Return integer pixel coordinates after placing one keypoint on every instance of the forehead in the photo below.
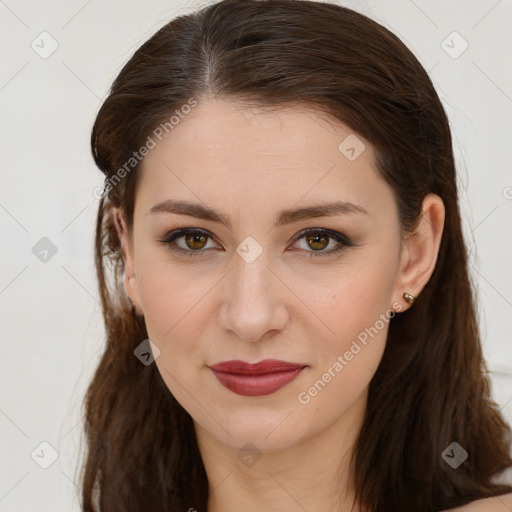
(218, 128)
(226, 152)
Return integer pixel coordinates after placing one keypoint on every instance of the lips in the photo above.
(258, 379)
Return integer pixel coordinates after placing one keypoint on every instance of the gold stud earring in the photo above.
(409, 298)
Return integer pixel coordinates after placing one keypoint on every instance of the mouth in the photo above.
(258, 379)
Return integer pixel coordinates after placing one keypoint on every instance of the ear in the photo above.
(130, 280)
(418, 255)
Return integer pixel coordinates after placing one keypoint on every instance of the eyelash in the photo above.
(344, 241)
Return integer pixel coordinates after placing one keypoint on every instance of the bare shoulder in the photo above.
(501, 503)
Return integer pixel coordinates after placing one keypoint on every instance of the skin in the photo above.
(285, 304)
(497, 504)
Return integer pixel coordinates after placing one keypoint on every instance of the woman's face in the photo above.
(253, 286)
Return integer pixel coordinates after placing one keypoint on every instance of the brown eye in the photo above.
(195, 241)
(317, 241)
(189, 241)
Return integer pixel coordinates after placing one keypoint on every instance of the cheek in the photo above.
(352, 303)
(178, 301)
(355, 311)
(347, 361)
(173, 310)
(167, 292)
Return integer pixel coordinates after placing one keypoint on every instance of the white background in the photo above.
(51, 326)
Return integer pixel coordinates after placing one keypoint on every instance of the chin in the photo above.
(266, 431)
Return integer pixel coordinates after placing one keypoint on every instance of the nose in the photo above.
(254, 305)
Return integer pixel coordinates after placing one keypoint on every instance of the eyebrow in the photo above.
(283, 217)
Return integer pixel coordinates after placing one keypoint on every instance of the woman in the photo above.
(290, 322)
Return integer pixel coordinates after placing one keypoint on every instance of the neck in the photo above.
(315, 474)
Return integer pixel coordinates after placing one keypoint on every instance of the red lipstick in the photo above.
(262, 378)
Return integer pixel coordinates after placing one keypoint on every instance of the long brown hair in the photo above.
(431, 388)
